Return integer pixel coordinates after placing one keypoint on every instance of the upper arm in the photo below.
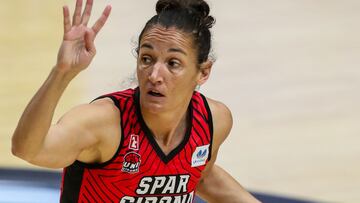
(222, 121)
(216, 185)
(78, 135)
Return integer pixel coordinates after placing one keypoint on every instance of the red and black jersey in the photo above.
(139, 171)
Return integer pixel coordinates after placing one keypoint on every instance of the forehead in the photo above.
(169, 37)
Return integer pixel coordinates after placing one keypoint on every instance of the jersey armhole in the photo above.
(210, 123)
(100, 165)
(116, 101)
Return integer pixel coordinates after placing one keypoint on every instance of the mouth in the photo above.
(155, 93)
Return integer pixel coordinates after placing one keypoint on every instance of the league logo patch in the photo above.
(134, 142)
(131, 163)
(200, 156)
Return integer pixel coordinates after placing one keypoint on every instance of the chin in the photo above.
(154, 108)
(153, 104)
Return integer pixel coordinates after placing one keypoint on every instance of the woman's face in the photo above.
(167, 69)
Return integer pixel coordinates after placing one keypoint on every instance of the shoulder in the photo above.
(93, 119)
(97, 125)
(104, 105)
(222, 124)
(102, 109)
(222, 120)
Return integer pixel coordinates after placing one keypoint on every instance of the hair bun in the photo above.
(203, 9)
(200, 7)
(165, 5)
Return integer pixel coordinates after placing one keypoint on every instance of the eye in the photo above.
(146, 60)
(173, 63)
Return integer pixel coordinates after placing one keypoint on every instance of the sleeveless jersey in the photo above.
(140, 172)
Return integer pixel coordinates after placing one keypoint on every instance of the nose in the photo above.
(155, 74)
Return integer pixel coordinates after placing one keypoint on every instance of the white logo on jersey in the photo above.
(134, 142)
(162, 189)
(200, 156)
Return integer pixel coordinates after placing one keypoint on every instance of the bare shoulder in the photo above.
(102, 107)
(222, 124)
(222, 120)
(102, 110)
(98, 125)
(218, 107)
(98, 120)
(88, 133)
(106, 114)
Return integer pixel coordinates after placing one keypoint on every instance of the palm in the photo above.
(73, 51)
(77, 49)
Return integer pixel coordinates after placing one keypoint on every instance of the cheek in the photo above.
(140, 75)
(140, 71)
(184, 82)
(192, 75)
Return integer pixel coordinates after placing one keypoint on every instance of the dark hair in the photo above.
(189, 16)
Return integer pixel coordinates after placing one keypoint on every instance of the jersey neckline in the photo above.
(165, 158)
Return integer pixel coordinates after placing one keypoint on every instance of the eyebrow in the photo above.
(149, 46)
(177, 50)
(146, 45)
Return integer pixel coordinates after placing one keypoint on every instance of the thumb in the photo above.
(89, 42)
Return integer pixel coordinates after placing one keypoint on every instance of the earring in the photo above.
(197, 88)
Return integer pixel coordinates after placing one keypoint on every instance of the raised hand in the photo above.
(77, 49)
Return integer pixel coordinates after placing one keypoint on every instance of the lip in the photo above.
(154, 92)
(150, 99)
(153, 98)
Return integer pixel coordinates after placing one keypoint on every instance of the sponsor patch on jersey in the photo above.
(162, 189)
(134, 142)
(131, 163)
(200, 156)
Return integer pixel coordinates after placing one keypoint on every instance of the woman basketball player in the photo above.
(155, 143)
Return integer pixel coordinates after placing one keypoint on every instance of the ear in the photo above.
(205, 70)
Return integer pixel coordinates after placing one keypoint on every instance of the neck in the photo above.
(168, 128)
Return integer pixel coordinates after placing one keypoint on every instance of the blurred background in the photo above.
(288, 70)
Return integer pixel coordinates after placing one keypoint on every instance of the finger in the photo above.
(87, 12)
(102, 20)
(67, 23)
(89, 42)
(77, 13)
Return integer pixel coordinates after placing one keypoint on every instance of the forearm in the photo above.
(219, 186)
(36, 119)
